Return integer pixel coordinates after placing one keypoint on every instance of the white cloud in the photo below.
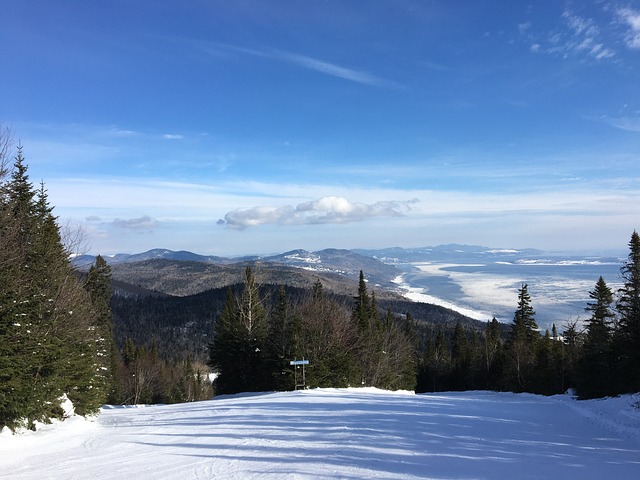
(144, 223)
(171, 136)
(632, 19)
(325, 210)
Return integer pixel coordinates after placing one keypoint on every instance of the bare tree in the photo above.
(6, 144)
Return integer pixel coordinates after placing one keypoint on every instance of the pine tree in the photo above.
(493, 355)
(522, 340)
(436, 365)
(46, 345)
(281, 343)
(239, 347)
(460, 359)
(572, 338)
(595, 365)
(98, 285)
(627, 338)
(362, 306)
(543, 378)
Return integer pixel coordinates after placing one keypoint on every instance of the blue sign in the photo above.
(299, 362)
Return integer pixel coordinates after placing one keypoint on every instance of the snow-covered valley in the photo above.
(333, 433)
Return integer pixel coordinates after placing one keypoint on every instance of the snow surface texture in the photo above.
(347, 434)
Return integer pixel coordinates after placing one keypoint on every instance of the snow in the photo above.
(417, 294)
(340, 433)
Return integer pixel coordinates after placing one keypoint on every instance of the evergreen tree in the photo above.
(522, 341)
(493, 355)
(47, 347)
(595, 365)
(98, 285)
(362, 307)
(543, 376)
(460, 359)
(281, 342)
(572, 338)
(436, 365)
(239, 347)
(627, 341)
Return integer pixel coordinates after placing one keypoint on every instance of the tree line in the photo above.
(346, 344)
(358, 344)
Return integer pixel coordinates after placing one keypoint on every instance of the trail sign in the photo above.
(299, 362)
(296, 363)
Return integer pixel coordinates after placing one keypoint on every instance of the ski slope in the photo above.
(339, 434)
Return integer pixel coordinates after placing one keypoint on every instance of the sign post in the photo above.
(296, 365)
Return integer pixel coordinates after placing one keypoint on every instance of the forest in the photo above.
(70, 334)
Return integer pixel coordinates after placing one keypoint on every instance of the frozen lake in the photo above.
(559, 287)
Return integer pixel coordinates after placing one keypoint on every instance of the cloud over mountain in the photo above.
(142, 224)
(328, 209)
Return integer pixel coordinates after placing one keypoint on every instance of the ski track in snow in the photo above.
(340, 434)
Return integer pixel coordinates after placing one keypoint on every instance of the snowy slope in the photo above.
(330, 434)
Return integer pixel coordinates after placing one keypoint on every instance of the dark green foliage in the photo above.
(596, 362)
(627, 336)
(284, 330)
(48, 340)
(239, 348)
(522, 342)
(494, 356)
(435, 367)
(362, 312)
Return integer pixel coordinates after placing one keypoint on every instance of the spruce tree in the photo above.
(436, 365)
(239, 348)
(98, 285)
(281, 344)
(362, 306)
(46, 344)
(460, 359)
(594, 369)
(522, 341)
(627, 338)
(493, 355)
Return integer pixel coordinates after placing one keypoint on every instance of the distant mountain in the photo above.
(186, 273)
(338, 260)
(343, 262)
(154, 254)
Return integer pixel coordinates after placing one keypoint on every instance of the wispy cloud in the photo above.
(578, 37)
(584, 38)
(329, 209)
(307, 62)
(332, 69)
(628, 123)
(632, 19)
(141, 224)
(172, 136)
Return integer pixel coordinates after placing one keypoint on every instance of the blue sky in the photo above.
(262, 126)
